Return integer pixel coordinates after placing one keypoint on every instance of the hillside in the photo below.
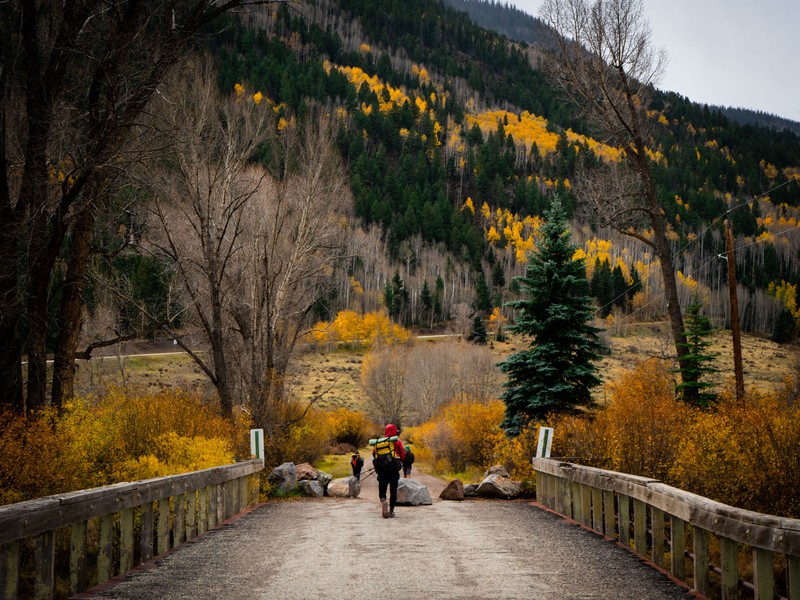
(384, 157)
(455, 143)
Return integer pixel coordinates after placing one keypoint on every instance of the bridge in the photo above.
(590, 534)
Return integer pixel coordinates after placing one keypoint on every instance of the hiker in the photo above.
(357, 463)
(408, 460)
(388, 453)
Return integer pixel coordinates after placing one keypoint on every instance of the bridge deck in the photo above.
(330, 548)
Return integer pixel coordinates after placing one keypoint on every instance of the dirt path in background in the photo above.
(343, 548)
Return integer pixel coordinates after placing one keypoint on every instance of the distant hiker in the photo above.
(357, 463)
(408, 460)
(388, 453)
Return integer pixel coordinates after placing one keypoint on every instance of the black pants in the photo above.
(390, 481)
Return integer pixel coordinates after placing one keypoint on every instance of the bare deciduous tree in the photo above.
(605, 62)
(383, 376)
(253, 250)
(75, 77)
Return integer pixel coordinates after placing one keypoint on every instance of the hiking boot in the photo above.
(385, 508)
(391, 514)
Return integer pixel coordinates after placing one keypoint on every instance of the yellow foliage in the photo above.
(346, 426)
(238, 90)
(464, 433)
(258, 97)
(120, 436)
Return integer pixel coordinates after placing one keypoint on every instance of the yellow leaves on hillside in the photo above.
(518, 235)
(468, 204)
(786, 293)
(353, 329)
(365, 48)
(238, 89)
(529, 129)
(769, 170)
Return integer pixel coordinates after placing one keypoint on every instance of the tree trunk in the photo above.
(70, 309)
(10, 348)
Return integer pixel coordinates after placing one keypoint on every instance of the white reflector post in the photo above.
(257, 443)
(545, 442)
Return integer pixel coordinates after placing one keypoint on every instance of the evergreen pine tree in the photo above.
(478, 333)
(557, 372)
(483, 301)
(426, 299)
(699, 360)
(785, 329)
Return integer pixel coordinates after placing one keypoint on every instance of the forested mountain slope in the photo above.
(453, 138)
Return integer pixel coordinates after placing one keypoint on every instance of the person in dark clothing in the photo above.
(408, 460)
(389, 478)
(357, 463)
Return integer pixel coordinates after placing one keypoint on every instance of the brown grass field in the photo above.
(334, 378)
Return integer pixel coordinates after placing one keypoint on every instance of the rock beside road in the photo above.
(412, 493)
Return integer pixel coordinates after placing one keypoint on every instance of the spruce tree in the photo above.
(699, 361)
(557, 372)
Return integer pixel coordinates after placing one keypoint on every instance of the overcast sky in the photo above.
(738, 53)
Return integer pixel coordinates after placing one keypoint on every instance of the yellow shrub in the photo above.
(346, 426)
(121, 436)
(465, 433)
(639, 431)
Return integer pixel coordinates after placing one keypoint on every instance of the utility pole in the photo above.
(735, 333)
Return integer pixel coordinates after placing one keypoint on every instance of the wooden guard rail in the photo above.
(601, 500)
(128, 523)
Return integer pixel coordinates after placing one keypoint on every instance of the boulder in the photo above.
(344, 487)
(283, 478)
(471, 490)
(412, 493)
(311, 487)
(497, 470)
(305, 472)
(496, 486)
(453, 491)
(324, 478)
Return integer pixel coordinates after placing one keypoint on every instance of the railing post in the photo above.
(147, 531)
(126, 540)
(640, 526)
(162, 536)
(677, 530)
(45, 563)
(77, 557)
(597, 509)
(657, 518)
(624, 503)
(763, 575)
(729, 555)
(104, 550)
(793, 575)
(191, 514)
(586, 505)
(202, 510)
(700, 547)
(244, 499)
(178, 520)
(9, 570)
(608, 512)
(213, 497)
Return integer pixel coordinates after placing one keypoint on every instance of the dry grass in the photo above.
(334, 379)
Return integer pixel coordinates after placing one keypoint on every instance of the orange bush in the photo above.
(640, 430)
(346, 426)
(464, 434)
(741, 454)
(121, 436)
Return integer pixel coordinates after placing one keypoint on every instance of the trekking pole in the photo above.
(363, 477)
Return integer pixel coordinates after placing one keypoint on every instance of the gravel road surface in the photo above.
(343, 548)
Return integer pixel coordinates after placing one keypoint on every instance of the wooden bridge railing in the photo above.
(601, 500)
(114, 528)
